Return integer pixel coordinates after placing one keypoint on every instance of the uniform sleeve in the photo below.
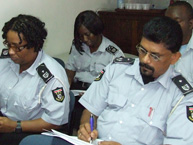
(179, 129)
(55, 102)
(95, 97)
(70, 65)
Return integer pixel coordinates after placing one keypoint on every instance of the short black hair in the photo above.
(91, 21)
(164, 30)
(32, 28)
(186, 5)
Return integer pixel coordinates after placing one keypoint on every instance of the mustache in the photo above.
(146, 66)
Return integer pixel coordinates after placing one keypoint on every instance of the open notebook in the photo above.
(72, 139)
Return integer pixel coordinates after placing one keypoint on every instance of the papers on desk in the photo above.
(76, 92)
(72, 139)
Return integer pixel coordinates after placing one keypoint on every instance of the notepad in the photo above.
(71, 139)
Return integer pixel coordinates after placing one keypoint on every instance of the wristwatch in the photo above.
(18, 128)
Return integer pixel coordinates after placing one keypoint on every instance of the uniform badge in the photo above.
(44, 73)
(182, 84)
(189, 111)
(111, 49)
(5, 53)
(58, 94)
(123, 60)
(98, 78)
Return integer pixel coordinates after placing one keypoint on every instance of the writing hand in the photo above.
(84, 132)
(109, 143)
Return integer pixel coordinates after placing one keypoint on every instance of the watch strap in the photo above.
(18, 128)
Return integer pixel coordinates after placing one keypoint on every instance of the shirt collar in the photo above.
(164, 79)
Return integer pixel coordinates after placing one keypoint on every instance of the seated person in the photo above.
(90, 53)
(34, 88)
(135, 100)
(182, 12)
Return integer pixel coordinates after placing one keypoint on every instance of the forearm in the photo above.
(37, 125)
(70, 75)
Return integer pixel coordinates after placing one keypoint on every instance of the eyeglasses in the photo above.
(14, 47)
(144, 52)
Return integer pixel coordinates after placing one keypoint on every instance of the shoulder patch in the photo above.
(123, 60)
(182, 84)
(99, 77)
(111, 49)
(44, 73)
(5, 53)
(189, 112)
(58, 94)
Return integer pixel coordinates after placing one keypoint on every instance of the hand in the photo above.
(109, 143)
(81, 93)
(7, 125)
(84, 132)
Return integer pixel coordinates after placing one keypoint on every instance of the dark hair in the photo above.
(164, 30)
(31, 27)
(91, 21)
(186, 5)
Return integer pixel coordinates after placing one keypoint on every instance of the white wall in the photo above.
(59, 16)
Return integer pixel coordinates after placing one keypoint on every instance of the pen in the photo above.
(91, 125)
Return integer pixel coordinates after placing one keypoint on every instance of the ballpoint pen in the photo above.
(91, 125)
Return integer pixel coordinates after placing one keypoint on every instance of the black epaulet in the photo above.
(44, 73)
(111, 49)
(5, 53)
(123, 60)
(182, 84)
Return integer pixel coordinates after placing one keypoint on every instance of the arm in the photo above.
(84, 132)
(70, 75)
(8, 125)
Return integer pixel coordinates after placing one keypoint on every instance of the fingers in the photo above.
(84, 133)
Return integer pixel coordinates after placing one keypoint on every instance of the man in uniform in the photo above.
(182, 12)
(34, 89)
(132, 99)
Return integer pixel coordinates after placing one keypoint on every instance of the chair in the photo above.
(72, 102)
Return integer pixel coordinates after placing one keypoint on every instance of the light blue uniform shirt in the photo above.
(128, 111)
(21, 97)
(184, 64)
(88, 65)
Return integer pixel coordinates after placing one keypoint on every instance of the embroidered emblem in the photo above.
(189, 111)
(5, 53)
(182, 84)
(98, 78)
(111, 49)
(44, 73)
(58, 94)
(123, 60)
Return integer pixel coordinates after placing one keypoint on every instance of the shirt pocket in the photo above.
(152, 131)
(27, 104)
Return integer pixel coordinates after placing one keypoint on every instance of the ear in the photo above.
(175, 57)
(191, 24)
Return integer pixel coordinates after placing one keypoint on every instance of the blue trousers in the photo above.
(43, 140)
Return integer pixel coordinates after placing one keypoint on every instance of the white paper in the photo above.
(76, 92)
(71, 139)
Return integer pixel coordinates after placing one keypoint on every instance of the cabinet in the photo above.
(124, 27)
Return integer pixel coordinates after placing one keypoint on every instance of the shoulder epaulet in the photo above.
(5, 53)
(44, 73)
(182, 84)
(111, 49)
(123, 60)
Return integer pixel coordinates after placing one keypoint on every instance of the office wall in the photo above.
(59, 16)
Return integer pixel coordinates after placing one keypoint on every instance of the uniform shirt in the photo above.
(88, 65)
(130, 112)
(184, 64)
(22, 96)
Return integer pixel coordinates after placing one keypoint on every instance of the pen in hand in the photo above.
(91, 125)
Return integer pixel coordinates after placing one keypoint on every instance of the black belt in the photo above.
(79, 85)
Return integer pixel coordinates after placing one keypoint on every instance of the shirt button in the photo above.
(10, 88)
(142, 89)
(132, 105)
(179, 70)
(150, 122)
(109, 137)
(120, 121)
